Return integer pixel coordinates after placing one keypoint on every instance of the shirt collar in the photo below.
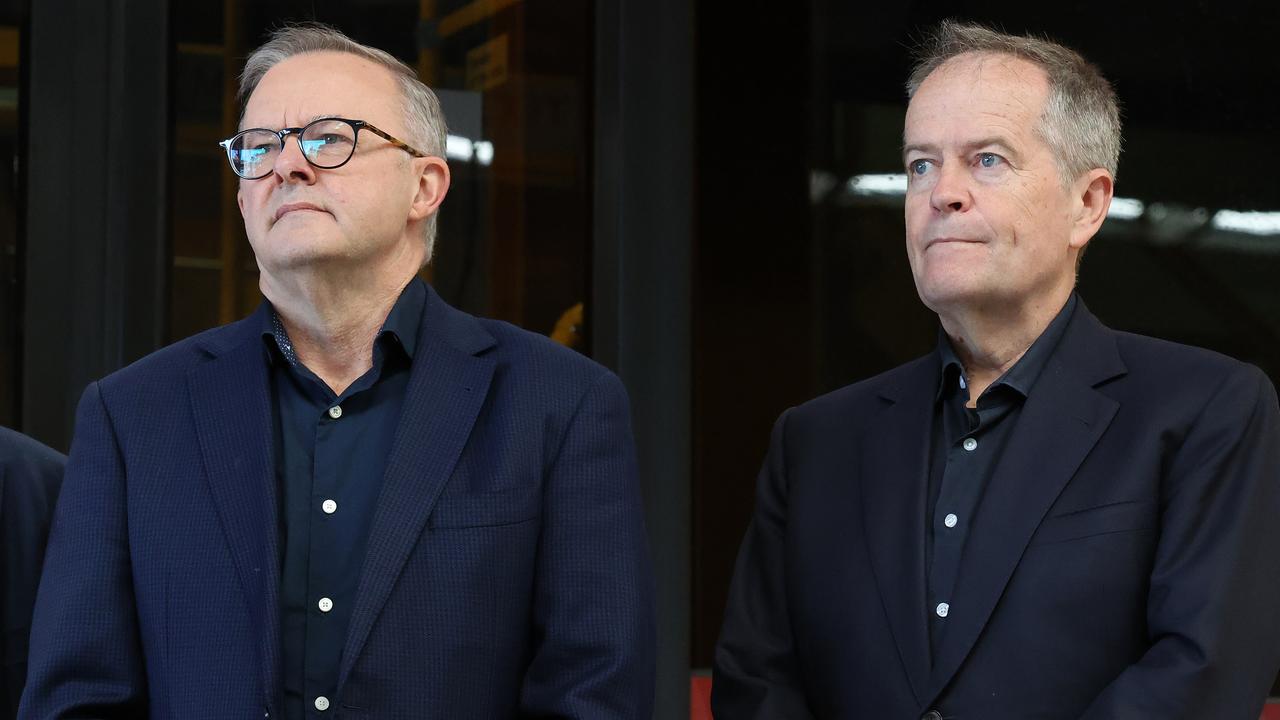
(1024, 373)
(406, 316)
(400, 327)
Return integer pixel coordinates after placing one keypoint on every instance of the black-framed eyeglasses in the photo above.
(326, 143)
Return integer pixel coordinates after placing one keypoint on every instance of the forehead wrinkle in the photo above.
(997, 140)
(997, 92)
(284, 122)
(319, 116)
(987, 67)
(373, 83)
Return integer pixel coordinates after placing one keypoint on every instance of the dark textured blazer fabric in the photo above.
(1124, 562)
(507, 572)
(30, 476)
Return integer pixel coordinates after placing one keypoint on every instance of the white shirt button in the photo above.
(963, 385)
(325, 604)
(950, 520)
(970, 444)
(329, 507)
(322, 703)
(335, 412)
(942, 609)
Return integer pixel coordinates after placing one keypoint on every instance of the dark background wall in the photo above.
(753, 352)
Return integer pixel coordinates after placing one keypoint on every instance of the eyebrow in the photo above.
(308, 121)
(995, 141)
(926, 148)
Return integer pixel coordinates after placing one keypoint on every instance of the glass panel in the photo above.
(206, 235)
(514, 78)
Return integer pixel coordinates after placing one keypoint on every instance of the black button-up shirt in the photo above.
(967, 444)
(331, 451)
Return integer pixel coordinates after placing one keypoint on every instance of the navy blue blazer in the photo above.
(507, 572)
(30, 476)
(1124, 562)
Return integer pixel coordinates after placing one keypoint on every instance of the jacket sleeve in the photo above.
(1215, 586)
(593, 608)
(756, 673)
(86, 660)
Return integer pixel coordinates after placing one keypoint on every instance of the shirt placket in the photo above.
(321, 583)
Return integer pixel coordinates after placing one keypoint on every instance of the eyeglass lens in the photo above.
(325, 144)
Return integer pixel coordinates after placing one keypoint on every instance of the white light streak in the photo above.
(462, 148)
(457, 147)
(872, 185)
(1252, 223)
(1126, 208)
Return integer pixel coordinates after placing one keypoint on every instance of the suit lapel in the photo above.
(448, 384)
(894, 482)
(1062, 420)
(231, 401)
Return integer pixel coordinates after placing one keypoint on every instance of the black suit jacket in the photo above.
(1124, 561)
(30, 475)
(506, 573)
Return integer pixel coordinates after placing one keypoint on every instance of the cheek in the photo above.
(253, 203)
(1045, 217)
(255, 193)
(1041, 204)
(916, 213)
(1026, 204)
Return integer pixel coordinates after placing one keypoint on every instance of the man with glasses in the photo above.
(1044, 518)
(358, 502)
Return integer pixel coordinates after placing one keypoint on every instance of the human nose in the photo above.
(291, 164)
(951, 190)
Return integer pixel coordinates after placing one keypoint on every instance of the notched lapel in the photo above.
(1061, 422)
(447, 387)
(894, 479)
(231, 399)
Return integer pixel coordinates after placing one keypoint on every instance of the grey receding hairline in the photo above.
(1081, 118)
(423, 118)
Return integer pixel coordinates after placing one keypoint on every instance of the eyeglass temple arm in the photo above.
(394, 141)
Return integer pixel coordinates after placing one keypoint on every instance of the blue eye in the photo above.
(918, 167)
(989, 160)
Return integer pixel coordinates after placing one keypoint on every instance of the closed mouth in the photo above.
(951, 241)
(292, 207)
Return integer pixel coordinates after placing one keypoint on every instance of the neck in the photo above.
(989, 339)
(333, 318)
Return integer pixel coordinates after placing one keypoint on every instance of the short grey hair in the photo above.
(1081, 119)
(423, 118)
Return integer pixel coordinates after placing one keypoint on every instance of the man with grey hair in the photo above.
(1043, 518)
(357, 502)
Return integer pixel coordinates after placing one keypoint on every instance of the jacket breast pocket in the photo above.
(485, 509)
(1090, 522)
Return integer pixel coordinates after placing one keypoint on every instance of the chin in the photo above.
(950, 296)
(296, 255)
(947, 288)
